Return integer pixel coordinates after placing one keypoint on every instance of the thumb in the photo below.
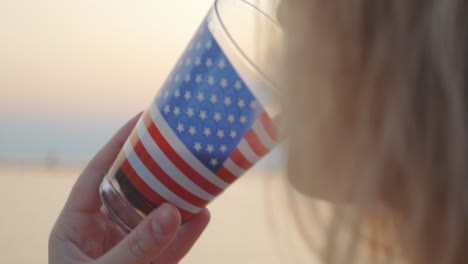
(148, 240)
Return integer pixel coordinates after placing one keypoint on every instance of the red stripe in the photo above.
(172, 155)
(147, 191)
(255, 144)
(269, 126)
(165, 179)
(226, 175)
(239, 159)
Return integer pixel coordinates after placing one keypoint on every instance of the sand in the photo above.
(239, 232)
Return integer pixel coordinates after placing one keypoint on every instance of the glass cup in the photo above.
(212, 120)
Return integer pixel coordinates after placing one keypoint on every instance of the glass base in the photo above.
(119, 209)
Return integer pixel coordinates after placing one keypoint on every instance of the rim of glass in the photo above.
(236, 45)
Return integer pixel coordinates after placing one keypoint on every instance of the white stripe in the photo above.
(180, 148)
(233, 168)
(160, 158)
(264, 137)
(154, 183)
(248, 153)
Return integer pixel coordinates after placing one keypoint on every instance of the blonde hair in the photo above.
(378, 120)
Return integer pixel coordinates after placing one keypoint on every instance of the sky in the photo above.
(72, 72)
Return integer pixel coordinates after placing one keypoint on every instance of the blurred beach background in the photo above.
(71, 73)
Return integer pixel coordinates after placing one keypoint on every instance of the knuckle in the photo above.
(173, 256)
(158, 246)
(136, 246)
(166, 261)
(143, 245)
(172, 260)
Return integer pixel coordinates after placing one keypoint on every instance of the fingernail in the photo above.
(162, 223)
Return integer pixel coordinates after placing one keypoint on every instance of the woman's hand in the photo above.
(85, 234)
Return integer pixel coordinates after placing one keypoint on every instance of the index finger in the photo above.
(85, 193)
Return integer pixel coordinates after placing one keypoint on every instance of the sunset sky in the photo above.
(71, 72)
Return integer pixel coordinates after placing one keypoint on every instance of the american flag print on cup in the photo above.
(204, 129)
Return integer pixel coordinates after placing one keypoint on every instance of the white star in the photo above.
(207, 131)
(200, 97)
(197, 61)
(177, 77)
(197, 146)
(203, 115)
(210, 148)
(238, 85)
(214, 99)
(199, 45)
(224, 83)
(198, 79)
(176, 111)
(227, 101)
(187, 95)
(209, 62)
(214, 162)
(231, 119)
(222, 64)
(241, 103)
(223, 148)
(188, 61)
(211, 80)
(167, 109)
(192, 130)
(167, 94)
(217, 117)
(187, 77)
(243, 120)
(177, 93)
(220, 134)
(180, 128)
(253, 104)
(190, 112)
(209, 44)
(233, 134)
